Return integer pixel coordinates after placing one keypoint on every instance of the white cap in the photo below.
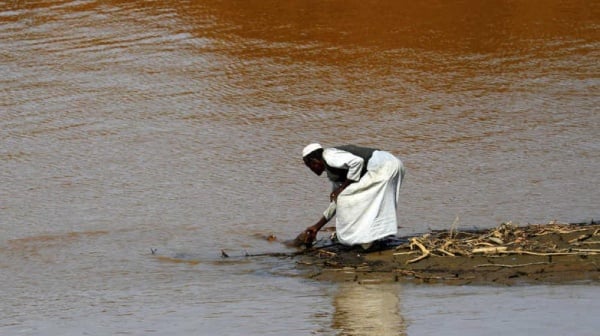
(310, 148)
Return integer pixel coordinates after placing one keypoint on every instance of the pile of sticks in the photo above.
(504, 239)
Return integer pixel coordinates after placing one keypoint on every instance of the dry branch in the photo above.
(426, 252)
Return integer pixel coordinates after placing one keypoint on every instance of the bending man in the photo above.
(366, 186)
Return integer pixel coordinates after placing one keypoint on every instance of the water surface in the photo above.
(135, 126)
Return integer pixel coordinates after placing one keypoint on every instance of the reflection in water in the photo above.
(363, 310)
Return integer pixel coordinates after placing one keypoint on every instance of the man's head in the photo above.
(313, 158)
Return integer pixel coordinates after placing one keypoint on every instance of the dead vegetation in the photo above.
(505, 239)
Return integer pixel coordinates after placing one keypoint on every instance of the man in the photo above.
(366, 186)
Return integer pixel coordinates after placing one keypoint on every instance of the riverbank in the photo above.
(507, 255)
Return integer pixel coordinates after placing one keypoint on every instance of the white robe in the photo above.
(366, 210)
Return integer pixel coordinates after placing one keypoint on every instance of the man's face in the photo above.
(316, 166)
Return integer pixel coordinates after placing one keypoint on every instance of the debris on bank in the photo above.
(507, 239)
(507, 254)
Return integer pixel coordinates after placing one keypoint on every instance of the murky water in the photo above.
(135, 126)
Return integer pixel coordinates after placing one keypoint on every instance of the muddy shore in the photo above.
(506, 255)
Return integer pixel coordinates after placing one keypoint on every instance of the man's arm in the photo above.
(310, 234)
(334, 194)
(345, 160)
(341, 159)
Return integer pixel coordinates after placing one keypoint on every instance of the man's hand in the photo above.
(310, 234)
(306, 237)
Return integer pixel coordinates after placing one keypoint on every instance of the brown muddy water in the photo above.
(176, 127)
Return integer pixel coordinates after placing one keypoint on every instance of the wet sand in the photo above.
(507, 255)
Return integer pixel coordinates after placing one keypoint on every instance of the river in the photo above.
(139, 139)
